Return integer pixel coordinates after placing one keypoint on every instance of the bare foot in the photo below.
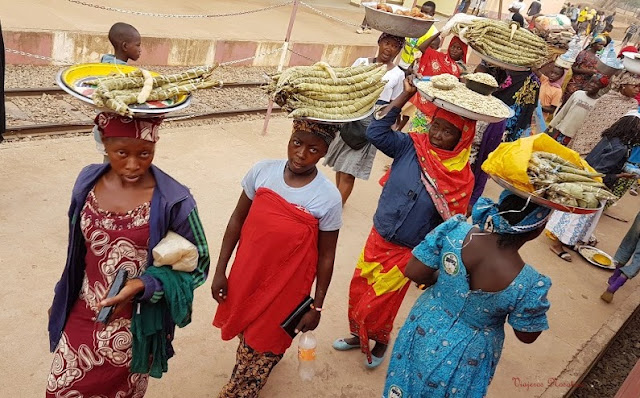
(379, 349)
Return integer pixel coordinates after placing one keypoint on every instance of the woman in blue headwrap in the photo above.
(452, 340)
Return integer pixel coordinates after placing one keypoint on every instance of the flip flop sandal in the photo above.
(375, 361)
(566, 256)
(341, 345)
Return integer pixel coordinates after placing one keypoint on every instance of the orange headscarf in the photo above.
(448, 171)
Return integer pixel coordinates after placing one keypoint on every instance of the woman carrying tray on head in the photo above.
(608, 158)
(285, 227)
(584, 67)
(520, 91)
(433, 63)
(350, 155)
(430, 181)
(119, 212)
(452, 339)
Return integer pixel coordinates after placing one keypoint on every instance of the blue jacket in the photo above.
(405, 213)
(608, 158)
(172, 208)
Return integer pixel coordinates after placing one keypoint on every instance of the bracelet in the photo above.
(313, 307)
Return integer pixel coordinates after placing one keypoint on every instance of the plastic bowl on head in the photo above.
(631, 62)
(606, 69)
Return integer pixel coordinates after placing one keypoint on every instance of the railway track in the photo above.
(85, 125)
(38, 91)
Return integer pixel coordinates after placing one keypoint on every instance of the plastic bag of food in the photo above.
(555, 22)
(575, 46)
(460, 18)
(176, 251)
(510, 160)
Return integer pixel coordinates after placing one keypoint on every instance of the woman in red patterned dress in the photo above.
(118, 213)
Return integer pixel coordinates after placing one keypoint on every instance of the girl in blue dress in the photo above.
(452, 339)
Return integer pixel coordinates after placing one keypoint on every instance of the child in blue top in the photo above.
(452, 339)
(126, 42)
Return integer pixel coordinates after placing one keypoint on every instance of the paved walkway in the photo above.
(36, 179)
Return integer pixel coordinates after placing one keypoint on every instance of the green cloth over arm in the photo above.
(149, 354)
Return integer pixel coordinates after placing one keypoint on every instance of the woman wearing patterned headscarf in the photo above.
(119, 212)
(351, 156)
(608, 109)
(452, 339)
(285, 227)
(584, 67)
(430, 181)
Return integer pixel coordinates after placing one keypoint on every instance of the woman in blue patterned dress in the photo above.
(452, 340)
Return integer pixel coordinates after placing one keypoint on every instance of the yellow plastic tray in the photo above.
(73, 80)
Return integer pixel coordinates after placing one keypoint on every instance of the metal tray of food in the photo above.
(73, 81)
(395, 24)
(591, 254)
(491, 60)
(458, 110)
(331, 121)
(542, 201)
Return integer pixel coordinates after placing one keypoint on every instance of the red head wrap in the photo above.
(465, 48)
(450, 117)
(451, 178)
(114, 125)
(448, 171)
(627, 49)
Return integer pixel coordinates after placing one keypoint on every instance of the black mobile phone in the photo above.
(289, 324)
(116, 286)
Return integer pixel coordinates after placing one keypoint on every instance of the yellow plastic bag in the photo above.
(511, 159)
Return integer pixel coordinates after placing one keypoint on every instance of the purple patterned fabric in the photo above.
(490, 140)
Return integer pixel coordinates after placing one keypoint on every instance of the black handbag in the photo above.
(354, 134)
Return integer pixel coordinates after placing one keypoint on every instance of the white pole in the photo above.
(283, 57)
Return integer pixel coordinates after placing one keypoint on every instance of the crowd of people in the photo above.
(285, 228)
(588, 20)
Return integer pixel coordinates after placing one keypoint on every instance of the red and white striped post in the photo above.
(283, 57)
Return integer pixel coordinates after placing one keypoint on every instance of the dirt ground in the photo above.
(612, 369)
(36, 179)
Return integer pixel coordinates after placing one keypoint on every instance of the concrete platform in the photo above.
(74, 33)
(268, 25)
(36, 179)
